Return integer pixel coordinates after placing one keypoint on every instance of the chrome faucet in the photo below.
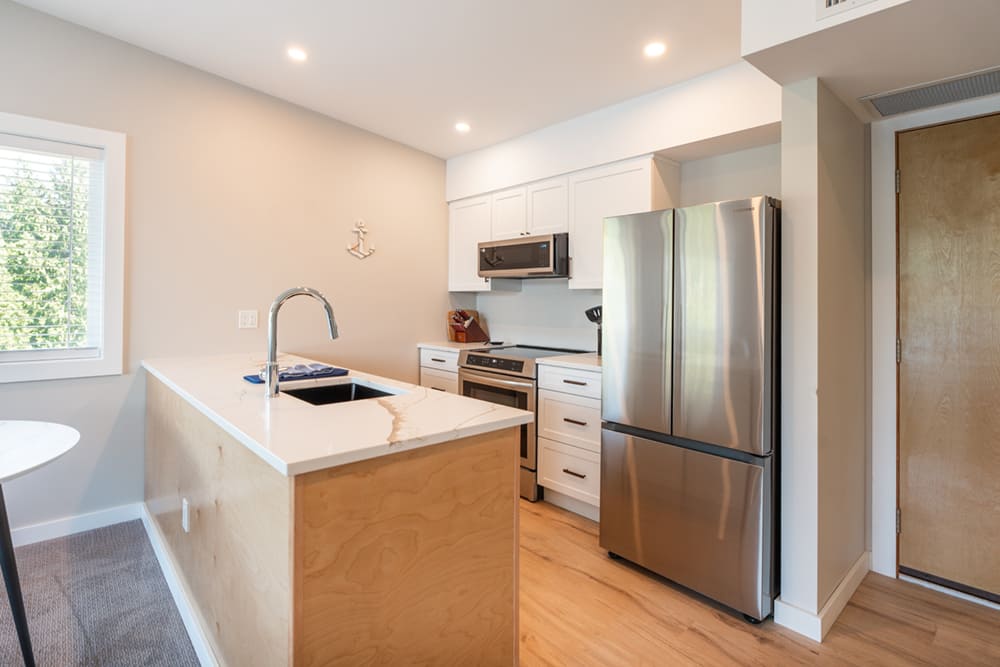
(271, 369)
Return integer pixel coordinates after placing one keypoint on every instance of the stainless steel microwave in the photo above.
(545, 256)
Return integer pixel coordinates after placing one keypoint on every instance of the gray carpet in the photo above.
(96, 598)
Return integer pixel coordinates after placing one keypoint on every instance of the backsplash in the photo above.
(545, 312)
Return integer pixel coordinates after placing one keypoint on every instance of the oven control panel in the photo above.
(495, 363)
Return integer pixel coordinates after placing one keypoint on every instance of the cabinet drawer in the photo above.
(573, 420)
(579, 383)
(570, 470)
(444, 361)
(440, 380)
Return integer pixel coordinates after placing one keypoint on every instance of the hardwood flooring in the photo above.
(579, 607)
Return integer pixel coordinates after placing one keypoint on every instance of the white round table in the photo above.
(25, 446)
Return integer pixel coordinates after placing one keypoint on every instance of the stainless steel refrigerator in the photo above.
(690, 397)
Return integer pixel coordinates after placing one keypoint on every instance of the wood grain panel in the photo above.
(410, 558)
(235, 561)
(580, 608)
(949, 378)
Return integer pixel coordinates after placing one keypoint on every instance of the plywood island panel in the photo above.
(410, 557)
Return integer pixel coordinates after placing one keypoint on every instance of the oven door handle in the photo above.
(493, 380)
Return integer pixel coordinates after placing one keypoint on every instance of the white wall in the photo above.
(884, 309)
(545, 312)
(232, 196)
(726, 101)
(823, 468)
(841, 438)
(746, 173)
(766, 23)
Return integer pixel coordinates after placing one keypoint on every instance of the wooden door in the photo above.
(949, 372)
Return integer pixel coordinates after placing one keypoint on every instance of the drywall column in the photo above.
(823, 358)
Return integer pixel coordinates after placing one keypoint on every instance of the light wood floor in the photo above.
(578, 607)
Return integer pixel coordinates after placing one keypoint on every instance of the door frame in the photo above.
(884, 314)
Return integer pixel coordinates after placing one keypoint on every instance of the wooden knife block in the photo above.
(475, 333)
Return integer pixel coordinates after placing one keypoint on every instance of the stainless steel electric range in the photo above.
(507, 375)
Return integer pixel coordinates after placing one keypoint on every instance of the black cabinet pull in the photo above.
(576, 382)
(575, 474)
(438, 389)
(574, 421)
(440, 361)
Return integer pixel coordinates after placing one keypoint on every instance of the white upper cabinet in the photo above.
(468, 225)
(548, 206)
(633, 186)
(510, 214)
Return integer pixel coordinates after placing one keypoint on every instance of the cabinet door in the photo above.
(468, 225)
(596, 194)
(509, 214)
(548, 206)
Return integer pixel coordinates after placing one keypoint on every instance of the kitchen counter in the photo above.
(586, 361)
(295, 437)
(452, 345)
(315, 535)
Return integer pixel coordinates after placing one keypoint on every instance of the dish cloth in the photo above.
(300, 372)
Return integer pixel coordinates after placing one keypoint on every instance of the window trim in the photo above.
(109, 359)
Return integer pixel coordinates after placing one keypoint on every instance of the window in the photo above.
(62, 201)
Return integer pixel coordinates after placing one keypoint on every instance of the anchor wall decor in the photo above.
(360, 249)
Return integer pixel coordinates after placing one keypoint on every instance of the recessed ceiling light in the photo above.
(655, 49)
(462, 127)
(297, 54)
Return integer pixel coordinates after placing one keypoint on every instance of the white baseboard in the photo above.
(572, 505)
(950, 591)
(815, 626)
(182, 598)
(71, 525)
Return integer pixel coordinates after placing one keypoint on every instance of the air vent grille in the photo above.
(961, 88)
(825, 8)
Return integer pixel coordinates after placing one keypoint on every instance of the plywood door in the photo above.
(949, 374)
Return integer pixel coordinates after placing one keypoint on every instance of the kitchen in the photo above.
(188, 207)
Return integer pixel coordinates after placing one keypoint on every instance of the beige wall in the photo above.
(232, 196)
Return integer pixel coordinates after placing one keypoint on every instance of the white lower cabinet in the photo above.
(440, 380)
(569, 437)
(570, 470)
(439, 369)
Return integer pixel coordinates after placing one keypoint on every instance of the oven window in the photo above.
(509, 397)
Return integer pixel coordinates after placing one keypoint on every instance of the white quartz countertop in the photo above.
(296, 437)
(451, 345)
(587, 361)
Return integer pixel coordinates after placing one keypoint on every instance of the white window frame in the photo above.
(109, 358)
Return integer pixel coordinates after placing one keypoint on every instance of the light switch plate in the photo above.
(185, 515)
(247, 319)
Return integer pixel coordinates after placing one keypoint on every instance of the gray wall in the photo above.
(232, 196)
(754, 171)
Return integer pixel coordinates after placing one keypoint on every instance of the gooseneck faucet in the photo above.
(271, 369)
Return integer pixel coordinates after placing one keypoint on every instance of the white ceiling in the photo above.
(409, 69)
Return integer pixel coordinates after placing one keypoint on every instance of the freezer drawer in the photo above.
(701, 520)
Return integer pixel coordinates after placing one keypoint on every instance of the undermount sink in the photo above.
(340, 392)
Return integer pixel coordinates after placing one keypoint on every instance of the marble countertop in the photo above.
(586, 361)
(296, 437)
(451, 345)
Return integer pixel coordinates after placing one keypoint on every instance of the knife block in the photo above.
(474, 333)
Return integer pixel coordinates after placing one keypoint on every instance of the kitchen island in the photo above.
(379, 531)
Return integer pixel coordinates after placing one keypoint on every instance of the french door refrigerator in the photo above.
(690, 366)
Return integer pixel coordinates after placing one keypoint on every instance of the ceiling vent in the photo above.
(827, 8)
(945, 91)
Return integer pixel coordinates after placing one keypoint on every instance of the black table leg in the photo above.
(9, 566)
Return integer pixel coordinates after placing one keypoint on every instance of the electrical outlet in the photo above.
(185, 515)
(247, 319)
